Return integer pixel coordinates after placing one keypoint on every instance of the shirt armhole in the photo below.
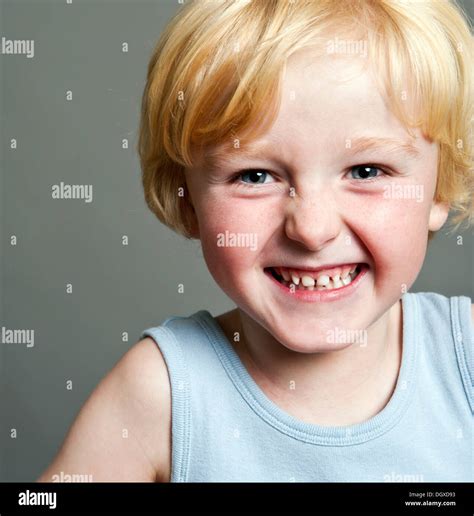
(462, 327)
(180, 399)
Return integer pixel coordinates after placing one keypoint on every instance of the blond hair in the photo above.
(217, 70)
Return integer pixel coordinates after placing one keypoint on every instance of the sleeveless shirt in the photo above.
(225, 429)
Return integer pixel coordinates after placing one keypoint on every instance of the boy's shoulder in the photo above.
(145, 373)
(141, 377)
(448, 324)
(441, 302)
(454, 312)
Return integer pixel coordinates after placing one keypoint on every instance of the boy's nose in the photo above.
(313, 222)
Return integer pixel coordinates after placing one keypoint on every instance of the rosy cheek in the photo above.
(394, 231)
(231, 237)
(253, 217)
(231, 267)
(405, 223)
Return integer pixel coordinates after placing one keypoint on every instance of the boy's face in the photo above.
(316, 205)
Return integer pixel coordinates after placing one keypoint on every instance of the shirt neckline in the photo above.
(278, 418)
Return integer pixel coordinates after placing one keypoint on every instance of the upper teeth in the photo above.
(318, 280)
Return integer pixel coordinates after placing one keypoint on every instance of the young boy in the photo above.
(313, 148)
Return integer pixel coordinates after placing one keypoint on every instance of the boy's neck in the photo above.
(337, 388)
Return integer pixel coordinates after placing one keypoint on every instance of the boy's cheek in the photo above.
(395, 235)
(394, 220)
(252, 220)
(231, 239)
(233, 268)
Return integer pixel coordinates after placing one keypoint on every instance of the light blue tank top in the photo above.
(225, 429)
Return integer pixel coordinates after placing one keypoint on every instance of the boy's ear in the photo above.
(438, 215)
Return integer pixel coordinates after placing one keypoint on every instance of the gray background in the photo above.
(116, 288)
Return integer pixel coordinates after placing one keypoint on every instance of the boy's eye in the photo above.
(257, 176)
(253, 176)
(365, 172)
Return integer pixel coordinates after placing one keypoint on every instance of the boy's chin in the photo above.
(320, 337)
(317, 343)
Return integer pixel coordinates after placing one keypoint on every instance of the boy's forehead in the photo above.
(344, 91)
(346, 112)
(318, 86)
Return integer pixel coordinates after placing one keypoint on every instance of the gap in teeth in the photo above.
(297, 281)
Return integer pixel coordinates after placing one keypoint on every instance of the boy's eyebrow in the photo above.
(363, 143)
(228, 154)
(353, 146)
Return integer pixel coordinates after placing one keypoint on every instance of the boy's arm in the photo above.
(123, 431)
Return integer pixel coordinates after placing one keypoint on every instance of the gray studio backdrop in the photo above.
(68, 275)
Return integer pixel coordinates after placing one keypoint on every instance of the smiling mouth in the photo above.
(307, 280)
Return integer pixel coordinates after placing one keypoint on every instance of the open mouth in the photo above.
(334, 279)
